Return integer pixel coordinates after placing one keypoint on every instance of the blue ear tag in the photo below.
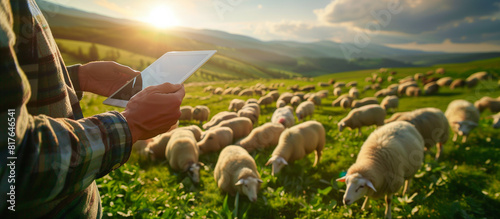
(342, 174)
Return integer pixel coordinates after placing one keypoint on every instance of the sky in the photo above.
(432, 25)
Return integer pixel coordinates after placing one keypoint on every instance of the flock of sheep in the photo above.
(388, 158)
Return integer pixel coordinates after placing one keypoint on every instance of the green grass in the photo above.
(465, 183)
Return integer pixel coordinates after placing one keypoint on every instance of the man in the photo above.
(50, 155)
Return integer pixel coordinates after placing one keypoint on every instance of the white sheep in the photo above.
(345, 103)
(431, 88)
(251, 100)
(236, 171)
(251, 111)
(296, 142)
(403, 86)
(295, 101)
(389, 157)
(201, 113)
(186, 113)
(367, 115)
(280, 103)
(322, 93)
(246, 92)
(265, 100)
(315, 99)
(304, 109)
(182, 153)
(488, 103)
(339, 84)
(390, 102)
(413, 91)
(275, 94)
(463, 118)
(155, 149)
(219, 117)
(430, 122)
(241, 126)
(337, 101)
(235, 105)
(337, 91)
(363, 102)
(264, 136)
(446, 81)
(215, 139)
(287, 96)
(354, 93)
(284, 116)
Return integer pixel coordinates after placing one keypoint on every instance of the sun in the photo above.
(162, 17)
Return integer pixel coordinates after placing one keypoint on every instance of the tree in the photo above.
(93, 52)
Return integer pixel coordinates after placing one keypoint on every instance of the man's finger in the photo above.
(126, 70)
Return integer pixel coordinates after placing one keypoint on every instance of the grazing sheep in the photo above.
(264, 136)
(236, 171)
(430, 122)
(284, 116)
(354, 93)
(376, 86)
(389, 157)
(482, 75)
(367, 115)
(201, 113)
(227, 91)
(208, 89)
(406, 80)
(252, 100)
(390, 79)
(331, 81)
(463, 117)
(322, 93)
(352, 84)
(315, 99)
(386, 92)
(251, 111)
(488, 103)
(246, 92)
(323, 84)
(446, 81)
(345, 103)
(440, 71)
(218, 91)
(431, 88)
(186, 113)
(265, 100)
(418, 76)
(215, 139)
(219, 117)
(236, 104)
(363, 102)
(295, 101)
(339, 84)
(236, 91)
(368, 79)
(299, 94)
(182, 153)
(304, 109)
(471, 82)
(337, 91)
(496, 120)
(296, 142)
(413, 91)
(308, 88)
(197, 132)
(457, 83)
(259, 92)
(287, 96)
(274, 94)
(402, 87)
(280, 103)
(366, 88)
(390, 102)
(241, 126)
(337, 101)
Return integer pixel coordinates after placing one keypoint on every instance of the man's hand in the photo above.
(154, 110)
(104, 77)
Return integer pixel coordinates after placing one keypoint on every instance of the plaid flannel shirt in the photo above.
(57, 154)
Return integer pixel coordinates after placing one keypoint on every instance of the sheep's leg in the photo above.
(359, 132)
(364, 203)
(439, 150)
(455, 136)
(407, 186)
(464, 138)
(388, 202)
(317, 157)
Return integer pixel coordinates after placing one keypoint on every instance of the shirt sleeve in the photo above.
(73, 75)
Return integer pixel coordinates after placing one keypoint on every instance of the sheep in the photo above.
(418, 76)
(368, 79)
(236, 171)
(241, 126)
(488, 103)
(376, 86)
(264, 136)
(251, 100)
(201, 113)
(368, 115)
(251, 111)
(440, 71)
(274, 94)
(366, 88)
(296, 142)
(457, 83)
(186, 113)
(431, 88)
(219, 117)
(308, 88)
(280, 103)
(295, 101)
(390, 102)
(287, 96)
(331, 81)
(430, 122)
(352, 84)
(208, 89)
(446, 81)
(337, 101)
(337, 91)
(227, 91)
(265, 100)
(390, 79)
(284, 116)
(315, 99)
(339, 84)
(388, 158)
(463, 117)
(323, 84)
(236, 91)
(406, 80)
(482, 75)
(471, 82)
(413, 91)
(259, 92)
(236, 104)
(363, 102)
(246, 92)
(354, 93)
(345, 103)
(496, 120)
(182, 153)
(299, 94)
(218, 91)
(304, 109)
(215, 139)
(402, 87)
(322, 93)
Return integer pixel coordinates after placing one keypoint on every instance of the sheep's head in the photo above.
(194, 172)
(278, 163)
(496, 121)
(249, 186)
(357, 187)
(341, 126)
(465, 127)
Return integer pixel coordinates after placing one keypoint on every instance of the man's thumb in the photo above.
(166, 88)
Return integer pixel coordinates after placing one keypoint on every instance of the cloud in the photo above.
(301, 31)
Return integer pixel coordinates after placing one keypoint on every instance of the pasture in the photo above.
(464, 183)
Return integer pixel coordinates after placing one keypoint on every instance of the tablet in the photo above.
(173, 67)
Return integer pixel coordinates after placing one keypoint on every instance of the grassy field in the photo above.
(465, 183)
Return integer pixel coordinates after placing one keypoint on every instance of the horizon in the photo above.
(442, 26)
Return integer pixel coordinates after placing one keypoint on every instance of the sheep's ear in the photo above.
(342, 179)
(369, 184)
(240, 182)
(282, 160)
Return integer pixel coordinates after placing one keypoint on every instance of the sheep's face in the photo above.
(465, 127)
(357, 187)
(250, 187)
(341, 126)
(278, 164)
(194, 172)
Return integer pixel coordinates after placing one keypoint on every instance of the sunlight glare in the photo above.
(162, 17)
